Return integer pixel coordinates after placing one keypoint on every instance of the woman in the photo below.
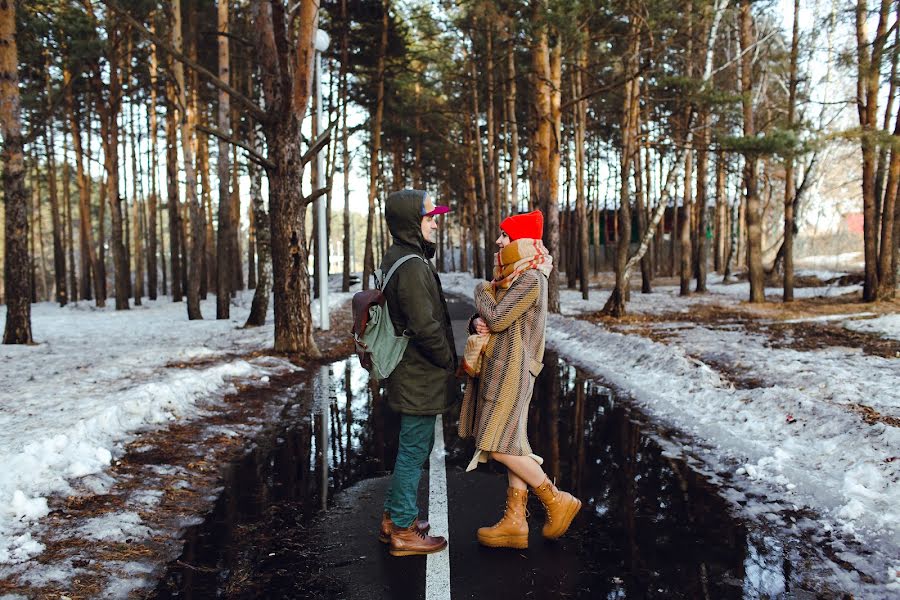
(513, 310)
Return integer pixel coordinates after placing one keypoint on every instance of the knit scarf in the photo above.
(518, 257)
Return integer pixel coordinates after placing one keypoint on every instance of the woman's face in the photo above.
(503, 241)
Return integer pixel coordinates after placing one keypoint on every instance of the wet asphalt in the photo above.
(298, 515)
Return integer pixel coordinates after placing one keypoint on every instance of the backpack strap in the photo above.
(396, 266)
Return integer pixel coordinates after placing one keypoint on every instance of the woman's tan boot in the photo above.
(512, 530)
(561, 509)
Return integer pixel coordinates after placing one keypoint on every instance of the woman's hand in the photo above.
(481, 327)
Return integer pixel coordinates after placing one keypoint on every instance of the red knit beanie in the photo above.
(528, 225)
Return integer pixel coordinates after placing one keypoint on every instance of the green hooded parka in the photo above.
(424, 383)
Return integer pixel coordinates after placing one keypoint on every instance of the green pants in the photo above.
(416, 440)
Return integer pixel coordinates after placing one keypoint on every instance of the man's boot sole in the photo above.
(416, 552)
(519, 542)
(569, 517)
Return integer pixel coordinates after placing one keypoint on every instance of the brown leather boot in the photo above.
(384, 536)
(512, 529)
(411, 541)
(561, 509)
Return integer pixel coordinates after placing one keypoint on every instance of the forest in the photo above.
(173, 148)
(194, 190)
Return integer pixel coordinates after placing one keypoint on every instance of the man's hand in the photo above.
(481, 327)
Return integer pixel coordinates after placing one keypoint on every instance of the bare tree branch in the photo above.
(252, 106)
(317, 145)
(253, 154)
(316, 194)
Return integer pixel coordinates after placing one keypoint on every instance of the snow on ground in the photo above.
(854, 261)
(824, 456)
(742, 290)
(887, 326)
(96, 378)
(664, 299)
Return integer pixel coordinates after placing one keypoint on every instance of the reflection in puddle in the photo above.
(334, 431)
(651, 527)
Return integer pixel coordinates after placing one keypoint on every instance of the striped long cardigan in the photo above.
(495, 405)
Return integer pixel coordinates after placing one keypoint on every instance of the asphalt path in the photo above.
(608, 553)
(650, 527)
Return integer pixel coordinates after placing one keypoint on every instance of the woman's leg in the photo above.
(561, 506)
(515, 481)
(524, 469)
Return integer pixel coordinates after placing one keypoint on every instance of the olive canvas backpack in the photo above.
(378, 346)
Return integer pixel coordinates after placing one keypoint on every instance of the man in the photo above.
(423, 385)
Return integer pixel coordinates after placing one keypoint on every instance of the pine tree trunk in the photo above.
(886, 270)
(138, 231)
(152, 209)
(34, 212)
(754, 228)
(345, 143)
(675, 239)
(223, 238)
(882, 191)
(313, 209)
(789, 180)
(137, 213)
(511, 111)
(286, 92)
(482, 203)
(263, 236)
(546, 68)
(721, 213)
(648, 261)
(492, 182)
(90, 268)
(162, 249)
(895, 255)
(70, 226)
(126, 218)
(868, 81)
(639, 196)
(375, 149)
(702, 243)
(190, 176)
(615, 304)
(251, 243)
(208, 268)
(293, 329)
(580, 200)
(108, 111)
(684, 232)
(59, 252)
(472, 202)
(172, 191)
(237, 266)
(551, 229)
(17, 261)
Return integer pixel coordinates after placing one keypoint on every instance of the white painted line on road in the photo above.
(437, 569)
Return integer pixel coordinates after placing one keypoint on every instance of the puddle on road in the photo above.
(651, 527)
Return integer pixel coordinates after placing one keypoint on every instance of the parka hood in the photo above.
(403, 214)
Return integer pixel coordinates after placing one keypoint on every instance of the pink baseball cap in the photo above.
(429, 209)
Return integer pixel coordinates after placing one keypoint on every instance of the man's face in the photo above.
(429, 224)
(429, 229)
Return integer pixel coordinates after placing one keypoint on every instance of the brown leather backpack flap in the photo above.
(361, 303)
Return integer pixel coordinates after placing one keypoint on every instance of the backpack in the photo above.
(378, 347)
